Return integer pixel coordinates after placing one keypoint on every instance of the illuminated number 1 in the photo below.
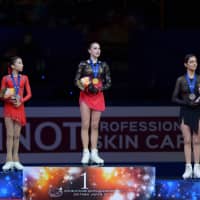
(84, 181)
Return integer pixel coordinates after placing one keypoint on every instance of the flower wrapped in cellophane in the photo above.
(7, 93)
(85, 81)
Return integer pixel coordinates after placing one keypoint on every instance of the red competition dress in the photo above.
(94, 101)
(16, 113)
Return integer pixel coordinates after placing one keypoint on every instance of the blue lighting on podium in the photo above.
(98, 183)
(11, 185)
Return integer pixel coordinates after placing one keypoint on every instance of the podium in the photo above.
(177, 189)
(82, 183)
(94, 183)
(11, 185)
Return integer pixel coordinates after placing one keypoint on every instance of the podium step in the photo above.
(177, 189)
(11, 185)
(93, 182)
(80, 183)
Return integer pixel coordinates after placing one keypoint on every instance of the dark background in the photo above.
(144, 42)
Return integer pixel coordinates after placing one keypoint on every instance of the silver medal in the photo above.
(192, 96)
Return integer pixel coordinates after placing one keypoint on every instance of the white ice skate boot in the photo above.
(86, 156)
(196, 171)
(8, 166)
(17, 165)
(95, 157)
(188, 171)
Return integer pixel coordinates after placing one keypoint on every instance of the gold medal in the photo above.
(95, 81)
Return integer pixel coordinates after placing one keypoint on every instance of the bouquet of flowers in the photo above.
(7, 93)
(2, 92)
(85, 81)
(91, 85)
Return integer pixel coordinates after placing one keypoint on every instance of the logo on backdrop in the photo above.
(48, 134)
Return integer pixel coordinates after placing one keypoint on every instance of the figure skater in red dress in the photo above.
(13, 86)
(92, 78)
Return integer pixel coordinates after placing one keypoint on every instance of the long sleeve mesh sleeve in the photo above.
(78, 76)
(107, 77)
(176, 93)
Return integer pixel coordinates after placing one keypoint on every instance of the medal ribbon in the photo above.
(191, 83)
(95, 68)
(16, 85)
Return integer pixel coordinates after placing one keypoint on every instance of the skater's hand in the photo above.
(17, 102)
(92, 89)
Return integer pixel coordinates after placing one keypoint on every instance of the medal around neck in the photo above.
(95, 81)
(192, 96)
(95, 69)
(191, 84)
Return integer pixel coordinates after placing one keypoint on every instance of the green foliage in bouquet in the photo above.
(2, 92)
